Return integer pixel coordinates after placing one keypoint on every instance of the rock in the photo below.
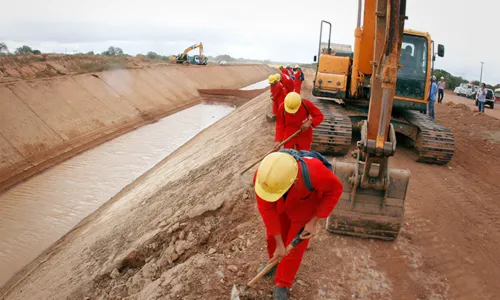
(302, 283)
(162, 224)
(180, 247)
(232, 268)
(321, 292)
(119, 291)
(240, 274)
(249, 243)
(148, 271)
(115, 273)
(191, 237)
(211, 251)
(220, 274)
(174, 227)
(182, 235)
(246, 196)
(153, 246)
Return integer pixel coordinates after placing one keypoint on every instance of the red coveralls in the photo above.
(298, 82)
(287, 81)
(287, 124)
(287, 217)
(279, 93)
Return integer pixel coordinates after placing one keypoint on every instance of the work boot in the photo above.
(280, 293)
(270, 273)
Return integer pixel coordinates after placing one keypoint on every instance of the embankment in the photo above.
(146, 218)
(43, 122)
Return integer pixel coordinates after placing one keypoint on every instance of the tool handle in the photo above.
(279, 146)
(273, 261)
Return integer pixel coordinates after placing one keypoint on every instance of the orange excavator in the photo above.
(372, 204)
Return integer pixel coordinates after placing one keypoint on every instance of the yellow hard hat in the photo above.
(296, 66)
(277, 76)
(280, 67)
(275, 175)
(272, 79)
(292, 102)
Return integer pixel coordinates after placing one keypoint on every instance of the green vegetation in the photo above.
(25, 50)
(453, 81)
(113, 51)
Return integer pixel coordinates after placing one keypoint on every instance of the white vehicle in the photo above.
(465, 89)
(459, 90)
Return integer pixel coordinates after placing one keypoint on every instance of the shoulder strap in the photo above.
(305, 170)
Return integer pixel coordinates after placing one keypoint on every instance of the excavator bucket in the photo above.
(368, 213)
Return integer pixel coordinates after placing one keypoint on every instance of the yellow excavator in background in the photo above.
(380, 91)
(195, 59)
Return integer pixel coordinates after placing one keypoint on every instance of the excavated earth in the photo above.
(189, 228)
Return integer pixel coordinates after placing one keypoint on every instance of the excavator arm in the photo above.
(183, 58)
(372, 204)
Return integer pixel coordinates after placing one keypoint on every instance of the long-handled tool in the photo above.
(235, 293)
(274, 150)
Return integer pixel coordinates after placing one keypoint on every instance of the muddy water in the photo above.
(256, 86)
(36, 213)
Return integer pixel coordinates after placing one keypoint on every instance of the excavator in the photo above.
(381, 89)
(195, 59)
(345, 78)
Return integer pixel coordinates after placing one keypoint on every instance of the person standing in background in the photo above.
(432, 96)
(441, 86)
(481, 97)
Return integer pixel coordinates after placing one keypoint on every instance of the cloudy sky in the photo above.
(277, 30)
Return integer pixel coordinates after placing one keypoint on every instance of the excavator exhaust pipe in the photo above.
(368, 213)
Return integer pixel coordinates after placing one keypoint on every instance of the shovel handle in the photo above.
(274, 261)
(279, 146)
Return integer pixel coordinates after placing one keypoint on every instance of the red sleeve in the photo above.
(329, 187)
(316, 114)
(268, 213)
(280, 123)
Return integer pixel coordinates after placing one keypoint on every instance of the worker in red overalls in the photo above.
(286, 205)
(293, 115)
(299, 77)
(278, 92)
(287, 81)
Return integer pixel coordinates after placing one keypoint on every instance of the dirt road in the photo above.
(449, 96)
(189, 228)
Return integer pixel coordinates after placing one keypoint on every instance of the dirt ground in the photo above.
(189, 228)
(24, 67)
(450, 96)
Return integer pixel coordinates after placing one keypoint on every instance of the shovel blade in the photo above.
(235, 294)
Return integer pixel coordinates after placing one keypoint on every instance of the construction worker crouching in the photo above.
(278, 92)
(299, 77)
(286, 205)
(296, 114)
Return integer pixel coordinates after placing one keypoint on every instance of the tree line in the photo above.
(451, 81)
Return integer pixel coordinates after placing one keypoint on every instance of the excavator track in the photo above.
(435, 143)
(333, 136)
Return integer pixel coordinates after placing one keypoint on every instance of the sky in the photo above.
(276, 30)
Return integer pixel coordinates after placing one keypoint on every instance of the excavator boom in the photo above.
(372, 204)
